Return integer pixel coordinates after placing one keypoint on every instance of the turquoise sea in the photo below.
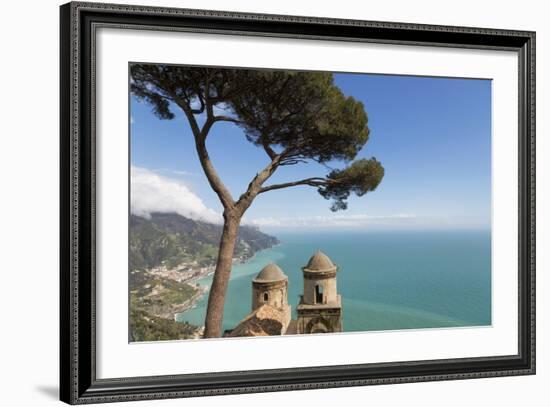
(388, 280)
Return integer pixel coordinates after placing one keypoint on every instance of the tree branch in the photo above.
(222, 118)
(272, 154)
(255, 185)
(190, 117)
(213, 178)
(313, 182)
(200, 144)
(201, 109)
(293, 161)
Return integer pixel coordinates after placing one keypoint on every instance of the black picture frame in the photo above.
(78, 382)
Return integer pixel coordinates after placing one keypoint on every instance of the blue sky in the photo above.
(432, 135)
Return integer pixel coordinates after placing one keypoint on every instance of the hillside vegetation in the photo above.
(170, 239)
(168, 252)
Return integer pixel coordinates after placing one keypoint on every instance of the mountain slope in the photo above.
(170, 239)
(168, 252)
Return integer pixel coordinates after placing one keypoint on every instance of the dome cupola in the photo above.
(270, 273)
(319, 263)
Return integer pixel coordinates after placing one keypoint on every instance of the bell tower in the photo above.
(320, 307)
(270, 287)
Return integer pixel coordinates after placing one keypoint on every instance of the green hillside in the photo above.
(167, 252)
(170, 239)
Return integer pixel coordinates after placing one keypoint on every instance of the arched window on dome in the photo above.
(266, 297)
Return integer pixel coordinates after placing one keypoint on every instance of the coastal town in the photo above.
(187, 272)
(164, 282)
(176, 283)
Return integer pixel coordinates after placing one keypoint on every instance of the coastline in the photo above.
(209, 271)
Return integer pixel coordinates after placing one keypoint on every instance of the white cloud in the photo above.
(151, 192)
(175, 172)
(362, 221)
(334, 221)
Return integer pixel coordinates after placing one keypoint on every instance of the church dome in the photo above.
(271, 272)
(320, 262)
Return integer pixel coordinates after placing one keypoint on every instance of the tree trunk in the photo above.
(216, 297)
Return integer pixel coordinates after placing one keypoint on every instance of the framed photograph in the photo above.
(256, 203)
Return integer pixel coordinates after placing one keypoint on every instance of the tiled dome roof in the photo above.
(320, 262)
(271, 272)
